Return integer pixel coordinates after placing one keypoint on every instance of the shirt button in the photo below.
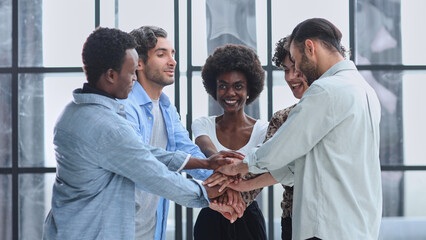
(121, 107)
(149, 106)
(149, 118)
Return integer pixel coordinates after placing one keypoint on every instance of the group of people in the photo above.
(120, 145)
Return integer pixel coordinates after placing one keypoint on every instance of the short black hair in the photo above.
(104, 49)
(146, 38)
(233, 57)
(281, 52)
(320, 29)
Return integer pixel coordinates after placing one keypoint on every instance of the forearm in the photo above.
(195, 163)
(261, 181)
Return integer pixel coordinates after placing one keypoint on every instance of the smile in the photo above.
(296, 85)
(230, 102)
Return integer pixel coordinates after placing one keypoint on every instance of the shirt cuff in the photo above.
(284, 175)
(184, 163)
(251, 161)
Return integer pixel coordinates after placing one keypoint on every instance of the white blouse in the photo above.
(207, 126)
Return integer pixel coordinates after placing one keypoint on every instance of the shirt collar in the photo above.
(141, 97)
(81, 97)
(340, 66)
(89, 89)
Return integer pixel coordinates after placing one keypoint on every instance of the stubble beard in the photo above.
(309, 69)
(157, 78)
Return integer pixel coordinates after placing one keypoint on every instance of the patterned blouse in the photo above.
(277, 120)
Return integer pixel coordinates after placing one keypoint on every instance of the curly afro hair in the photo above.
(281, 52)
(232, 57)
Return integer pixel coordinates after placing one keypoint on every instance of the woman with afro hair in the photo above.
(234, 77)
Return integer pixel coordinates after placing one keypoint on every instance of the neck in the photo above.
(329, 61)
(152, 89)
(235, 118)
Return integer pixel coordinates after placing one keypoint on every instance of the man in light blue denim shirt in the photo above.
(100, 157)
(157, 121)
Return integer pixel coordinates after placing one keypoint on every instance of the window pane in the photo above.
(218, 22)
(134, 14)
(5, 207)
(35, 196)
(6, 33)
(6, 120)
(51, 34)
(413, 13)
(403, 191)
(385, 32)
(283, 21)
(282, 96)
(402, 123)
(378, 32)
(413, 85)
(41, 99)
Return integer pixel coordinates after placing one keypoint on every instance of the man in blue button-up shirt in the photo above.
(157, 121)
(100, 157)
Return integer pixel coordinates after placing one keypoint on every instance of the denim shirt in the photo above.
(138, 108)
(100, 158)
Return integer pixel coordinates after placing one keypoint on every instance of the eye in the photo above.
(239, 87)
(221, 86)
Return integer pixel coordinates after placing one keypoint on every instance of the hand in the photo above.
(236, 168)
(227, 211)
(223, 158)
(235, 200)
(212, 192)
(240, 186)
(220, 179)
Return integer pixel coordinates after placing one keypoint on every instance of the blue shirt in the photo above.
(138, 110)
(100, 158)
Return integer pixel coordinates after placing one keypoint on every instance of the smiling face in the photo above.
(127, 75)
(159, 69)
(295, 79)
(232, 91)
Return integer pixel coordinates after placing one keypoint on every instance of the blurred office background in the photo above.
(40, 65)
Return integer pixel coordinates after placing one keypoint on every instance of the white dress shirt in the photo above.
(332, 136)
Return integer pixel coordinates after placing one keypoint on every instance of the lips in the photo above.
(296, 85)
(230, 102)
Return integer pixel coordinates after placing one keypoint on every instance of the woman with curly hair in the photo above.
(234, 77)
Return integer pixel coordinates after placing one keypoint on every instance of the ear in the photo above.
(309, 47)
(141, 65)
(111, 75)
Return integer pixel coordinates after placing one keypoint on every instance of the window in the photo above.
(40, 65)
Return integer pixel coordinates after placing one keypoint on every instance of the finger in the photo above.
(219, 181)
(212, 178)
(233, 154)
(223, 186)
(230, 195)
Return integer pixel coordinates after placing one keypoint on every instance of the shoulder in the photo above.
(260, 125)
(208, 120)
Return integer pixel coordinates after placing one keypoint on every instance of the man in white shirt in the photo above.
(332, 138)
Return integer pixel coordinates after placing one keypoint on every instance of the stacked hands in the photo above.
(225, 184)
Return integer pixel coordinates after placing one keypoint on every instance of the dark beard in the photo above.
(309, 70)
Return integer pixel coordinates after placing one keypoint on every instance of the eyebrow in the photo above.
(237, 82)
(163, 49)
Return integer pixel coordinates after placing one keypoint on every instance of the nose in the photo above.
(172, 61)
(295, 73)
(230, 91)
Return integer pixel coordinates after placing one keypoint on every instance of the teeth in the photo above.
(294, 85)
(230, 101)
